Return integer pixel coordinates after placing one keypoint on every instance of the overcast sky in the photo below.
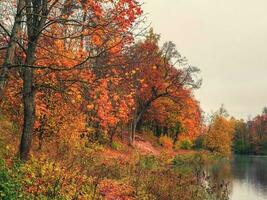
(227, 40)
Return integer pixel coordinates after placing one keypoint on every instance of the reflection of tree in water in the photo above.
(251, 170)
(211, 181)
(219, 179)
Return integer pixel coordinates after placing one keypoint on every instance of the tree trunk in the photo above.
(130, 133)
(34, 26)
(175, 137)
(29, 105)
(111, 135)
(29, 114)
(133, 125)
(9, 57)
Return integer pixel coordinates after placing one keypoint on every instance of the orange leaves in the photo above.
(128, 10)
(110, 107)
(103, 106)
(41, 109)
(97, 40)
(94, 6)
(87, 65)
(167, 113)
(166, 142)
(90, 107)
(112, 189)
(162, 87)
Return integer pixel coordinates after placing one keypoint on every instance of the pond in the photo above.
(245, 175)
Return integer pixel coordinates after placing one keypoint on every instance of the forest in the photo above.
(93, 105)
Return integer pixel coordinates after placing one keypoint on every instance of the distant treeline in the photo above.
(251, 137)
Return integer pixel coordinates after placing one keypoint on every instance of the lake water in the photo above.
(249, 178)
(246, 177)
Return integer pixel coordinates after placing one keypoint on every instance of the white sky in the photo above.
(227, 40)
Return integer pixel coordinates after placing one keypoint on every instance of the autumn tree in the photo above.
(108, 106)
(257, 129)
(159, 73)
(250, 137)
(183, 120)
(57, 43)
(220, 133)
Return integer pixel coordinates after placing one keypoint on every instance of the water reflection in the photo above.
(246, 177)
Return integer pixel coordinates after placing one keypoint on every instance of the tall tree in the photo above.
(161, 73)
(52, 56)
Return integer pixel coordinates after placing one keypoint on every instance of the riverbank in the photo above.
(72, 171)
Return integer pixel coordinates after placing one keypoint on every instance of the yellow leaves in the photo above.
(90, 130)
(42, 174)
(219, 135)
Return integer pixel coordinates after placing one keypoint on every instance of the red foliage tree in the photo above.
(64, 40)
(154, 74)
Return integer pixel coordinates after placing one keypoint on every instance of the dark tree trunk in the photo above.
(175, 137)
(111, 136)
(29, 115)
(158, 132)
(34, 25)
(29, 105)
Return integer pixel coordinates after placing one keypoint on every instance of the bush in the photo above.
(188, 159)
(45, 179)
(113, 189)
(116, 146)
(184, 144)
(148, 162)
(166, 142)
(10, 187)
